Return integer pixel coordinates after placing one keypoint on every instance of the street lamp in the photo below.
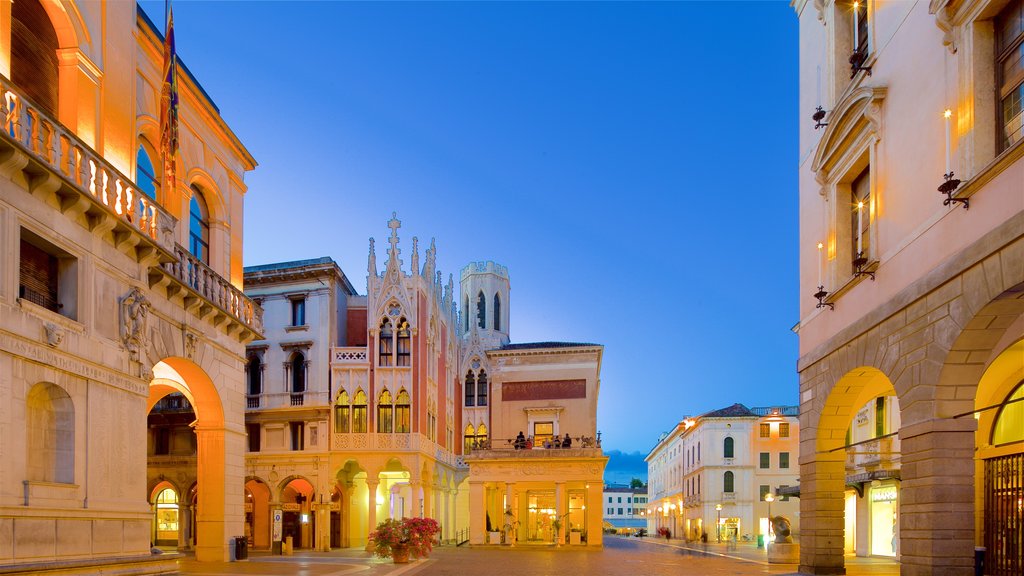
(769, 498)
(718, 527)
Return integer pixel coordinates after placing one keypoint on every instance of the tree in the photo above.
(637, 483)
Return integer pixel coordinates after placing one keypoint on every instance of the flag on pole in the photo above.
(169, 105)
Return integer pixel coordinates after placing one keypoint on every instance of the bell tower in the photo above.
(484, 301)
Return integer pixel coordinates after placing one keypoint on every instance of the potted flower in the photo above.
(404, 539)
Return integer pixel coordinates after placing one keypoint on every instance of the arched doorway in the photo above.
(299, 522)
(257, 514)
(166, 516)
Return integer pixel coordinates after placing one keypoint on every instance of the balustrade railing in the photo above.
(88, 173)
(283, 399)
(213, 287)
(252, 402)
(349, 355)
(371, 441)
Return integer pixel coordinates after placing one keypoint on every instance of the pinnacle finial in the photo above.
(394, 224)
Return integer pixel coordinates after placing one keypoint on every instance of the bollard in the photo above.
(979, 561)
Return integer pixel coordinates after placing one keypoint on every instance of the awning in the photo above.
(620, 523)
(855, 481)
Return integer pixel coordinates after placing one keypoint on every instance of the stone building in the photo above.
(116, 290)
(624, 509)
(912, 270)
(708, 477)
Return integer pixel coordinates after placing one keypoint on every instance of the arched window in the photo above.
(385, 412)
(145, 173)
(385, 347)
(403, 422)
(469, 438)
(298, 369)
(34, 46)
(470, 386)
(199, 226)
(404, 346)
(465, 314)
(727, 482)
(341, 413)
(359, 412)
(254, 373)
(50, 417)
(481, 311)
(481, 435)
(728, 450)
(497, 312)
(1009, 424)
(481, 389)
(166, 504)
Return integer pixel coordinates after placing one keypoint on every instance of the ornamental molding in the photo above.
(856, 118)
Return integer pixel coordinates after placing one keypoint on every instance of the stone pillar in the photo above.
(220, 471)
(424, 512)
(510, 504)
(477, 514)
(323, 526)
(936, 499)
(371, 509)
(822, 510)
(595, 532)
(346, 514)
(560, 509)
(446, 517)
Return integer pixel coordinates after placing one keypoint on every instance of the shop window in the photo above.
(783, 460)
(784, 430)
(1010, 73)
(470, 386)
(727, 449)
(342, 410)
(199, 226)
(481, 389)
(359, 412)
(481, 310)
(402, 412)
(34, 46)
(765, 430)
(50, 418)
(1009, 422)
(166, 503)
(252, 430)
(385, 347)
(48, 276)
(299, 311)
(385, 413)
(298, 436)
(727, 482)
(404, 343)
(766, 460)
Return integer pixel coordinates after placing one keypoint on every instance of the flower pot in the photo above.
(400, 553)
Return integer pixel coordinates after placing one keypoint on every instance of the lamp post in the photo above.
(718, 527)
(769, 498)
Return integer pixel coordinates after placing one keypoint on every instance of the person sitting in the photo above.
(520, 442)
(529, 442)
(547, 443)
(566, 442)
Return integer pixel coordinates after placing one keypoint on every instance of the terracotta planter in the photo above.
(400, 553)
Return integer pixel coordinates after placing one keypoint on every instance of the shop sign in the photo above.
(886, 494)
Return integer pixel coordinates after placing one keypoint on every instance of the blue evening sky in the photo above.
(633, 165)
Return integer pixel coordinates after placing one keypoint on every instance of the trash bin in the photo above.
(241, 548)
(760, 540)
(979, 561)
(231, 550)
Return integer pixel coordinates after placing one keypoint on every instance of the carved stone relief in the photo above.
(134, 308)
(54, 334)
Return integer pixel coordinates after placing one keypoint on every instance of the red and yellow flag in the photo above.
(169, 105)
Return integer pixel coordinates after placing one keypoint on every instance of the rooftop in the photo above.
(540, 345)
(735, 411)
(287, 265)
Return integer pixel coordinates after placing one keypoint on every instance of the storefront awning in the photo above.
(620, 523)
(855, 481)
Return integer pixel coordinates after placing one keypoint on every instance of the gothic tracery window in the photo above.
(385, 413)
(481, 311)
(359, 412)
(481, 389)
(497, 312)
(470, 386)
(341, 413)
(403, 423)
(385, 348)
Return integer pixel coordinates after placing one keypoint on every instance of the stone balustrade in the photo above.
(409, 442)
(83, 181)
(350, 355)
(282, 399)
(213, 288)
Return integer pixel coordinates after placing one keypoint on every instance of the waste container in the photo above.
(231, 550)
(979, 560)
(760, 540)
(241, 548)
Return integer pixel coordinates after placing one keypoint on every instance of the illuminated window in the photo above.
(385, 348)
(402, 412)
(342, 410)
(727, 482)
(784, 430)
(469, 438)
(763, 489)
(385, 412)
(481, 435)
(766, 430)
(145, 174)
(860, 214)
(542, 431)
(1010, 66)
(728, 448)
(359, 412)
(199, 227)
(470, 386)
(862, 26)
(167, 516)
(481, 389)
(404, 346)
(1009, 424)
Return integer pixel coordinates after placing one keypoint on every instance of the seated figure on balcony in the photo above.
(566, 442)
(520, 441)
(529, 442)
(781, 527)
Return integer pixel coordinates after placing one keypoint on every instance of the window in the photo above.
(254, 374)
(34, 47)
(861, 32)
(497, 312)
(402, 412)
(341, 413)
(359, 412)
(385, 411)
(298, 435)
(385, 348)
(766, 430)
(145, 174)
(199, 227)
(1010, 71)
(48, 276)
(1009, 422)
(766, 460)
(481, 311)
(784, 430)
(404, 345)
(465, 314)
(481, 389)
(698, 451)
(298, 370)
(252, 430)
(783, 459)
(629, 500)
(783, 497)
(728, 448)
(727, 482)
(879, 416)
(469, 439)
(764, 489)
(542, 432)
(161, 441)
(620, 511)
(481, 436)
(619, 500)
(299, 311)
(609, 499)
(860, 215)
(470, 389)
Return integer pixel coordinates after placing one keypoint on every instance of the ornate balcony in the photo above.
(66, 173)
(372, 442)
(309, 399)
(349, 356)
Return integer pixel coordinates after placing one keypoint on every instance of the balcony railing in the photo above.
(86, 183)
(310, 398)
(372, 441)
(349, 355)
(213, 288)
(252, 401)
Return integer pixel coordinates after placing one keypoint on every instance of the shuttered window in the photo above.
(38, 276)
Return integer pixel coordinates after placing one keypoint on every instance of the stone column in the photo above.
(560, 509)
(477, 514)
(371, 509)
(323, 526)
(449, 530)
(221, 480)
(822, 510)
(936, 499)
(595, 532)
(346, 515)
(510, 504)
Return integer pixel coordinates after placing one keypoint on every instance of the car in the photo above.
(640, 533)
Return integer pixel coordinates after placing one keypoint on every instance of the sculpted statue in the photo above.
(781, 527)
(134, 315)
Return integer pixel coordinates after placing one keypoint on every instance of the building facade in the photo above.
(119, 290)
(911, 242)
(710, 475)
(625, 509)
